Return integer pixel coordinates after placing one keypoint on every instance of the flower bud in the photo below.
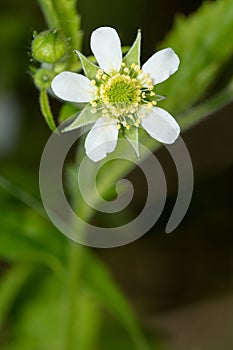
(43, 78)
(49, 46)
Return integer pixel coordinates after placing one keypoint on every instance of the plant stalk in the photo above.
(49, 13)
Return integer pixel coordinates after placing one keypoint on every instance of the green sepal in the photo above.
(89, 68)
(131, 136)
(157, 97)
(133, 55)
(83, 119)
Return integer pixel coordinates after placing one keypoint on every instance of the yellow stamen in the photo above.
(126, 70)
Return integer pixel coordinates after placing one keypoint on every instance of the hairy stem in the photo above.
(49, 13)
(46, 110)
(70, 22)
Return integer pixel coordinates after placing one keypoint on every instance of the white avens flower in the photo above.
(120, 94)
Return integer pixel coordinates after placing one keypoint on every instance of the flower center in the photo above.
(121, 95)
(120, 89)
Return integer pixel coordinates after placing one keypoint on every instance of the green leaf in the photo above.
(27, 237)
(38, 319)
(85, 117)
(133, 55)
(89, 68)
(203, 43)
(18, 247)
(100, 282)
(19, 193)
(205, 109)
(132, 136)
(11, 283)
(25, 226)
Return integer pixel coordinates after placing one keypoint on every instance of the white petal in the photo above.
(106, 46)
(161, 65)
(102, 139)
(73, 87)
(161, 125)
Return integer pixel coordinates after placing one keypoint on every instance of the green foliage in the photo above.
(38, 321)
(11, 283)
(203, 43)
(39, 257)
(105, 290)
(34, 241)
(90, 317)
(34, 303)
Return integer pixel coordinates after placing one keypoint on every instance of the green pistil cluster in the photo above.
(121, 95)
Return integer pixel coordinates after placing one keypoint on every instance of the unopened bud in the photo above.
(49, 46)
(43, 78)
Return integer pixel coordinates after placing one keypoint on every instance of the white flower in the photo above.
(120, 94)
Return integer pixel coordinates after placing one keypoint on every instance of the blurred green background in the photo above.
(179, 286)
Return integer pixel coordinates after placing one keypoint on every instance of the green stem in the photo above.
(46, 110)
(76, 257)
(70, 23)
(75, 268)
(49, 13)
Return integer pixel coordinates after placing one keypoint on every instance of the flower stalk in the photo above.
(70, 22)
(73, 289)
(46, 110)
